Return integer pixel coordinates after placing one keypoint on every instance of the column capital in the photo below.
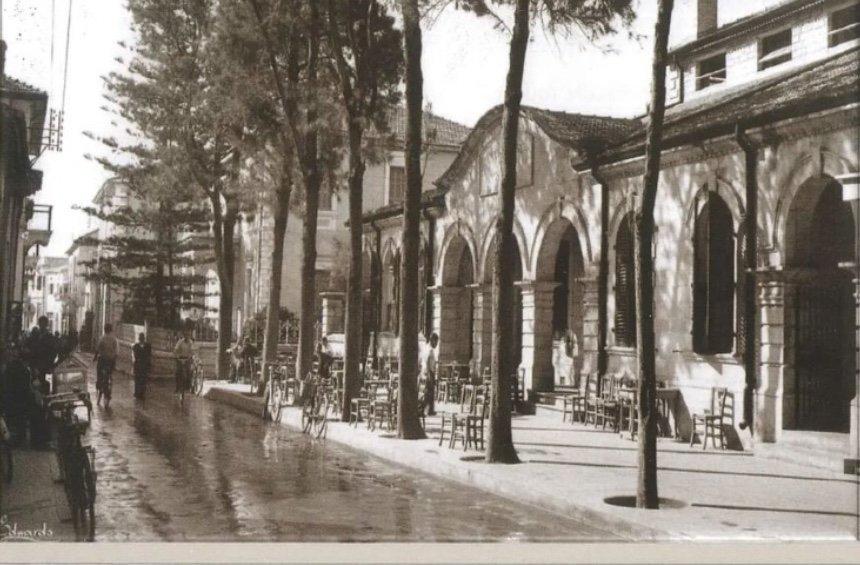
(445, 290)
(332, 294)
(536, 287)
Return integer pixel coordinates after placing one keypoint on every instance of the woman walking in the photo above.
(105, 359)
(142, 362)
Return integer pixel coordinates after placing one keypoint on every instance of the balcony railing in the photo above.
(39, 225)
(41, 219)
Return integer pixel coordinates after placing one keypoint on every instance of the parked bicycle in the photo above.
(197, 375)
(71, 413)
(276, 394)
(315, 406)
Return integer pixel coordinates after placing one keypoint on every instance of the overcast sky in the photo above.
(464, 64)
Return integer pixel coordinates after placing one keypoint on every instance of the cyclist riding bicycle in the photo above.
(184, 353)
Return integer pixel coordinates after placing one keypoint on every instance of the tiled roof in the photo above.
(16, 86)
(429, 198)
(818, 86)
(436, 129)
(580, 132)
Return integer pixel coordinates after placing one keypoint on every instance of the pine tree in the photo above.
(154, 254)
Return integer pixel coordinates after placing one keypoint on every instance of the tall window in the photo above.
(711, 71)
(625, 284)
(774, 49)
(844, 25)
(713, 278)
(396, 184)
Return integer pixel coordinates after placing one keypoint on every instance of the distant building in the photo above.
(46, 293)
(80, 299)
(384, 185)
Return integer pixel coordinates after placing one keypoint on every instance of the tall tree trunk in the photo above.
(312, 181)
(408, 424)
(352, 356)
(273, 310)
(646, 488)
(500, 448)
(307, 313)
(226, 276)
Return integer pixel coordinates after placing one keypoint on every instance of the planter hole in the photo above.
(629, 501)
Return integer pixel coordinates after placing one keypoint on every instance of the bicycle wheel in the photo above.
(307, 419)
(87, 501)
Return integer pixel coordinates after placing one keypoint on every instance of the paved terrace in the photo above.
(571, 469)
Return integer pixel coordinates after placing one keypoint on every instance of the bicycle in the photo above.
(197, 375)
(275, 395)
(72, 413)
(315, 408)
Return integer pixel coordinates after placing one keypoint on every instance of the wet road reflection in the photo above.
(206, 472)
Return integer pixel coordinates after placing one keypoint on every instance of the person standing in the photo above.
(325, 357)
(105, 359)
(429, 370)
(183, 352)
(42, 349)
(141, 364)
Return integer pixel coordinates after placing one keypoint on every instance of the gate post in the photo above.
(772, 356)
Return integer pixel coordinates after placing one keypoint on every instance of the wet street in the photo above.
(206, 472)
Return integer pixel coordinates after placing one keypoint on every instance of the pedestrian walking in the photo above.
(141, 365)
(183, 352)
(105, 359)
(325, 356)
(429, 371)
(41, 349)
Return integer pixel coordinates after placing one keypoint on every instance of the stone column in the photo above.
(587, 363)
(332, 312)
(446, 317)
(537, 299)
(772, 356)
(482, 324)
(851, 194)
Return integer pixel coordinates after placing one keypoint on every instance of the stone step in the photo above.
(822, 450)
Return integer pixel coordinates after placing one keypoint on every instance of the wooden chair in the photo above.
(711, 421)
(607, 403)
(586, 406)
(382, 408)
(474, 425)
(359, 409)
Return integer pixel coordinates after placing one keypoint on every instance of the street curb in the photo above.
(473, 476)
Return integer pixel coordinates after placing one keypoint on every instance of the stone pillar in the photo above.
(588, 346)
(332, 312)
(482, 325)
(772, 356)
(537, 297)
(851, 194)
(447, 301)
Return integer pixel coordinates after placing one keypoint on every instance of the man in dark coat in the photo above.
(142, 363)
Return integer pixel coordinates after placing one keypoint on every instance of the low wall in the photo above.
(162, 342)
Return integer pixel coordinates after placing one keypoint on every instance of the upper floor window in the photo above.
(713, 278)
(774, 49)
(396, 184)
(844, 25)
(625, 284)
(711, 71)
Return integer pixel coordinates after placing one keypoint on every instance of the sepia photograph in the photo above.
(429, 281)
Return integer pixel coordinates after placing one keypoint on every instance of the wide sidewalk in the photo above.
(571, 469)
(34, 505)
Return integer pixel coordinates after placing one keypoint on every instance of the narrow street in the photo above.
(204, 472)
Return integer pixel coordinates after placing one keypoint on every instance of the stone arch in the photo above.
(486, 249)
(822, 163)
(559, 294)
(727, 192)
(456, 323)
(618, 213)
(389, 288)
(567, 211)
(455, 230)
(820, 236)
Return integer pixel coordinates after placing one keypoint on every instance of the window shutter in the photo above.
(625, 288)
